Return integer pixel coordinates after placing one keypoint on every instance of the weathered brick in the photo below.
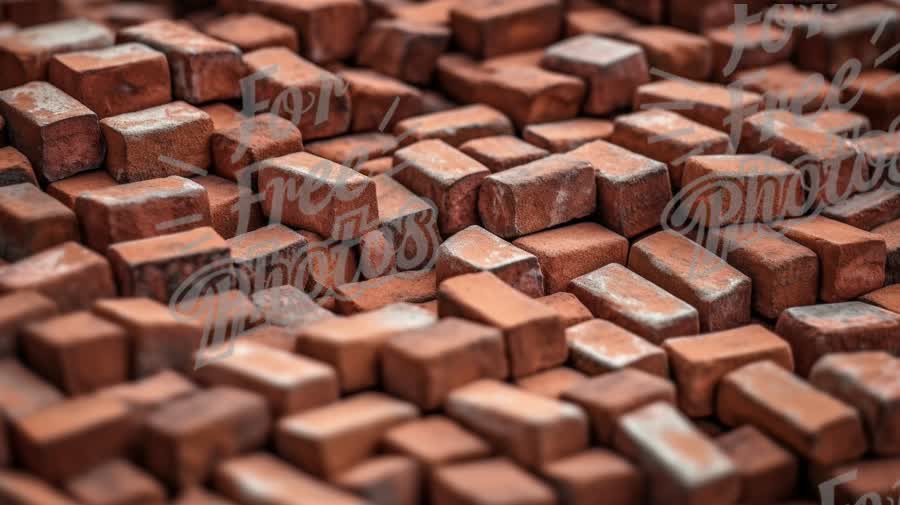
(14, 166)
(552, 382)
(18, 310)
(712, 105)
(597, 21)
(454, 126)
(402, 49)
(374, 96)
(582, 477)
(269, 257)
(567, 306)
(768, 472)
(867, 210)
(247, 144)
(744, 46)
(31, 221)
(673, 51)
(502, 152)
(232, 208)
(250, 32)
(435, 441)
(597, 347)
(94, 486)
(487, 481)
(69, 189)
(563, 136)
(412, 287)
(387, 480)
(485, 29)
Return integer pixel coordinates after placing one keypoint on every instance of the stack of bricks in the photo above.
(457, 252)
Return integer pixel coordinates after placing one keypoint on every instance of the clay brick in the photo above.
(331, 264)
(841, 122)
(886, 298)
(890, 232)
(69, 189)
(275, 337)
(223, 116)
(682, 464)
(786, 87)
(485, 29)
(24, 55)
(141, 210)
(383, 480)
(232, 208)
(125, 14)
(597, 347)
(409, 224)
(632, 190)
(402, 49)
(597, 21)
(269, 257)
(412, 287)
(352, 345)
(279, 77)
(158, 267)
(532, 430)
(881, 154)
(673, 51)
(424, 365)
(720, 293)
(851, 261)
(58, 135)
(71, 275)
(289, 307)
(18, 310)
(440, 173)
(563, 136)
(7, 28)
(874, 93)
(461, 77)
(533, 333)
(23, 393)
(699, 363)
(79, 352)
(581, 478)
(567, 306)
(19, 488)
(253, 140)
(768, 472)
(222, 315)
(712, 105)
(203, 69)
(114, 80)
(435, 12)
(746, 46)
(61, 440)
(488, 481)
(455, 126)
(784, 273)
(289, 383)
(435, 441)
(650, 11)
(355, 149)
(613, 70)
(329, 29)
(865, 380)
(502, 152)
(199, 496)
(667, 137)
(531, 95)
(373, 97)
(552, 382)
(14, 166)
(475, 249)
(873, 478)
(32, 221)
(513, 203)
(329, 440)
(116, 482)
(867, 210)
(785, 407)
(701, 16)
(250, 32)
(186, 439)
(146, 395)
(261, 479)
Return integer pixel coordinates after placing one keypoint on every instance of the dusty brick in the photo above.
(488, 481)
(125, 14)
(701, 16)
(563, 136)
(253, 140)
(485, 29)
(764, 395)
(402, 49)
(409, 224)
(890, 232)
(355, 149)
(851, 261)
(530, 95)
(435, 441)
(502, 152)
(58, 135)
(867, 210)
(552, 382)
(874, 93)
(841, 122)
(874, 478)
(613, 70)
(454, 126)
(673, 51)
(288, 306)
(203, 69)
(533, 333)
(720, 293)
(768, 472)
(387, 480)
(329, 29)
(32, 221)
(14, 166)
(570, 310)
(222, 315)
(532, 430)
(579, 479)
(71, 275)
(373, 97)
(784, 86)
(412, 287)
(95, 486)
(597, 347)
(886, 298)
(199, 496)
(141, 210)
(712, 105)
(269, 257)
(250, 32)
(232, 208)
(223, 116)
(597, 21)
(145, 395)
(331, 264)
(23, 393)
(18, 310)
(69, 189)
(19, 488)
(746, 46)
(461, 77)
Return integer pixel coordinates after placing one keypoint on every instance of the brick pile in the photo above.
(457, 252)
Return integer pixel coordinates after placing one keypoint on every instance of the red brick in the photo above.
(331, 439)
(24, 55)
(374, 96)
(746, 46)
(223, 116)
(409, 223)
(871, 479)
(851, 261)
(841, 122)
(529, 95)
(63, 439)
(402, 49)
(269, 257)
(890, 232)
(701, 16)
(352, 345)
(682, 464)
(412, 287)
(475, 249)
(384, 480)
(141, 210)
(667, 137)
(784, 273)
(673, 51)
(874, 94)
(712, 105)
(186, 439)
(354, 150)
(531, 429)
(200, 255)
(881, 154)
(440, 173)
(485, 29)
(222, 315)
(292, 77)
(786, 87)
(199, 496)
(377, 255)
(331, 264)
(58, 134)
(69, 274)
(329, 29)
(597, 21)
(16, 311)
(251, 31)
(867, 210)
(570, 310)
(114, 80)
(203, 69)
(146, 395)
(131, 485)
(232, 208)
(461, 77)
(69, 189)
(632, 190)
(424, 365)
(768, 472)
(533, 333)
(455, 126)
(19, 488)
(613, 70)
(14, 166)
(552, 382)
(248, 143)
(488, 482)
(435, 441)
(502, 152)
(125, 14)
(32, 221)
(886, 298)
(23, 393)
(580, 479)
(720, 293)
(817, 426)
(289, 307)
(597, 347)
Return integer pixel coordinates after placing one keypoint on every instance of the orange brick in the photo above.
(232, 208)
(402, 49)
(69, 189)
(18, 310)
(252, 31)
(673, 51)
(374, 95)
(502, 152)
(768, 472)
(597, 21)
(435, 441)
(454, 126)
(93, 487)
(354, 150)
(570, 310)
(488, 481)
(269, 257)
(14, 166)
(408, 223)
(248, 143)
(388, 480)
(842, 123)
(531, 95)
(712, 105)
(31, 221)
(19, 488)
(563, 136)
(148, 394)
(597, 347)
(485, 29)
(552, 382)
(867, 210)
(746, 46)
(581, 478)
(784, 86)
